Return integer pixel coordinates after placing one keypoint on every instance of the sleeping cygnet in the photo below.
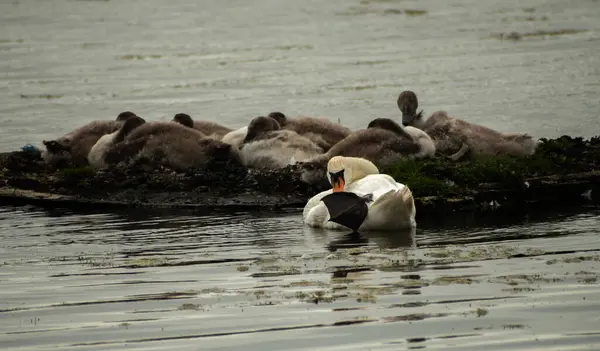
(266, 145)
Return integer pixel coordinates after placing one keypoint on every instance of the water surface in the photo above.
(262, 281)
(178, 280)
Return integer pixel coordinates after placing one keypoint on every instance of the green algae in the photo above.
(480, 312)
(515, 326)
(242, 268)
(213, 290)
(365, 10)
(588, 280)
(41, 96)
(439, 176)
(515, 36)
(307, 283)
(78, 172)
(366, 297)
(145, 262)
(409, 12)
(189, 307)
(579, 259)
(446, 280)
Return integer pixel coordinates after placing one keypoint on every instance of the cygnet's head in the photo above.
(58, 145)
(345, 170)
(408, 104)
(279, 117)
(123, 116)
(132, 123)
(313, 172)
(128, 127)
(260, 126)
(58, 152)
(387, 124)
(184, 119)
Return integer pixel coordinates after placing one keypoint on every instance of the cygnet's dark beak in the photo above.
(407, 119)
(250, 136)
(54, 146)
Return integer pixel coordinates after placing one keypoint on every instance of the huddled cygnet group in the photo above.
(318, 146)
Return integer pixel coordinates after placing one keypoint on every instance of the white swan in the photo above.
(392, 205)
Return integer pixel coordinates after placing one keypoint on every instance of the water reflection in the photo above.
(220, 274)
(339, 239)
(187, 229)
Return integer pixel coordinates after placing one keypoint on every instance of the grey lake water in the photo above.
(159, 280)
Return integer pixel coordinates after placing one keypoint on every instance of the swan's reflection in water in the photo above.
(334, 240)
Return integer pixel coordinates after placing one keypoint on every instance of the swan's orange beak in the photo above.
(338, 185)
(337, 181)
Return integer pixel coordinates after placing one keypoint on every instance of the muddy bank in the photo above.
(564, 172)
(221, 184)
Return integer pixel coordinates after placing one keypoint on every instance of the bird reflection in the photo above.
(386, 240)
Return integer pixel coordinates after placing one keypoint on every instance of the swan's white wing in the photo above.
(389, 209)
(315, 212)
(376, 184)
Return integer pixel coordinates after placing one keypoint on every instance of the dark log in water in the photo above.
(564, 172)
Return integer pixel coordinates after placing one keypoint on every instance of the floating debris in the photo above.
(515, 36)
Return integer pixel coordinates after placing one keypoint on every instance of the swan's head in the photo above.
(123, 116)
(345, 170)
(184, 119)
(258, 127)
(279, 117)
(408, 105)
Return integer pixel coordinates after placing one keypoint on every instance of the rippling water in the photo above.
(262, 281)
(179, 280)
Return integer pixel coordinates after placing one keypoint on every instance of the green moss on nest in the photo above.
(440, 176)
(79, 172)
(78, 176)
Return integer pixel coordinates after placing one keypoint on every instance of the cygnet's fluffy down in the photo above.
(422, 139)
(458, 138)
(267, 146)
(208, 128)
(163, 144)
(321, 131)
(97, 155)
(235, 137)
(72, 148)
(384, 143)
